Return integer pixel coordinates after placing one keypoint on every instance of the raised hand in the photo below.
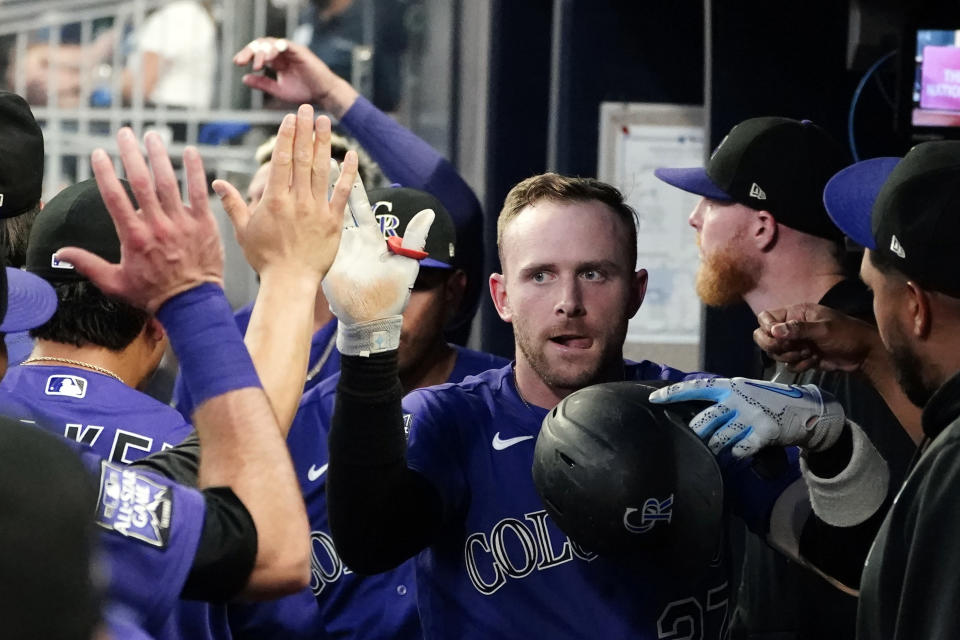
(752, 414)
(166, 247)
(295, 227)
(369, 283)
(301, 75)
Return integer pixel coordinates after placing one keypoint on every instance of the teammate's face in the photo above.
(423, 319)
(728, 267)
(257, 184)
(888, 296)
(569, 289)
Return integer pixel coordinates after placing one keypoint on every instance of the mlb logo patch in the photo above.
(407, 422)
(57, 263)
(62, 385)
(133, 505)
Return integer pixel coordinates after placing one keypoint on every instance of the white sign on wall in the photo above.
(635, 139)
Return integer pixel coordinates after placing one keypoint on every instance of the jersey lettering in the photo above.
(514, 549)
(87, 435)
(123, 441)
(684, 619)
(326, 567)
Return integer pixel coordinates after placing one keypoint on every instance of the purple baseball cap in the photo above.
(849, 197)
(27, 302)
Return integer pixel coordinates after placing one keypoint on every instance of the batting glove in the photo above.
(752, 414)
(369, 283)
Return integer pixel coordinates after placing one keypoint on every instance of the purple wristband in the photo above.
(205, 337)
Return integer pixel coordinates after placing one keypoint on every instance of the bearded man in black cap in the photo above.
(765, 238)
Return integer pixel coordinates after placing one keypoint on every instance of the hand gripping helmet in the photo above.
(626, 478)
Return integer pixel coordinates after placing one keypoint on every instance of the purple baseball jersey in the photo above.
(500, 566)
(118, 422)
(339, 603)
(151, 528)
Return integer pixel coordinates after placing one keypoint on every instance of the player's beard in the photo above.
(908, 370)
(725, 276)
(607, 362)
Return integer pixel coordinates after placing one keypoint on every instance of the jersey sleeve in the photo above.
(434, 447)
(150, 534)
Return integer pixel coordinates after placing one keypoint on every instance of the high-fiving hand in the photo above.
(369, 283)
(166, 247)
(295, 227)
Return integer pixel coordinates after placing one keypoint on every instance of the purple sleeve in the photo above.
(433, 448)
(411, 162)
(150, 532)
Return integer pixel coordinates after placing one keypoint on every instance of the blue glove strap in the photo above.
(205, 337)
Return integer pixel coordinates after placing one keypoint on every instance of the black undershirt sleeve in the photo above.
(227, 548)
(381, 512)
(180, 463)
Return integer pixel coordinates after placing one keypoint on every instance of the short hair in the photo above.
(552, 186)
(87, 316)
(14, 234)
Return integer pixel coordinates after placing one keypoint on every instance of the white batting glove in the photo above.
(752, 414)
(369, 283)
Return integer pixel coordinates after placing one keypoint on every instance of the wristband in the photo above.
(364, 338)
(205, 338)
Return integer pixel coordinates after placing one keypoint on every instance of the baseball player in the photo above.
(459, 496)
(242, 534)
(239, 534)
(765, 238)
(94, 354)
(21, 183)
(339, 602)
(902, 211)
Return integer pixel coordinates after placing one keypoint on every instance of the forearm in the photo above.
(242, 449)
(239, 438)
(338, 97)
(278, 338)
(847, 488)
(368, 482)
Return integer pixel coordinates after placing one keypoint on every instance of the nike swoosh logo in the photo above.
(313, 473)
(792, 392)
(500, 445)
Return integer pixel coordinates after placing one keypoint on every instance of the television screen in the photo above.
(936, 82)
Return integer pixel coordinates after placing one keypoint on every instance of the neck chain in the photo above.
(76, 363)
(315, 369)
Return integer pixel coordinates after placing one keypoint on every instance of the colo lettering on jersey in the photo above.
(326, 567)
(514, 549)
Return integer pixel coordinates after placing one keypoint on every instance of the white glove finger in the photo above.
(706, 423)
(332, 180)
(415, 235)
(711, 389)
(360, 205)
(730, 435)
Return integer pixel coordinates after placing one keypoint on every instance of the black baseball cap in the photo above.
(394, 207)
(75, 217)
(772, 164)
(905, 208)
(21, 163)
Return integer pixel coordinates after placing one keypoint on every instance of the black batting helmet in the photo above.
(624, 477)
